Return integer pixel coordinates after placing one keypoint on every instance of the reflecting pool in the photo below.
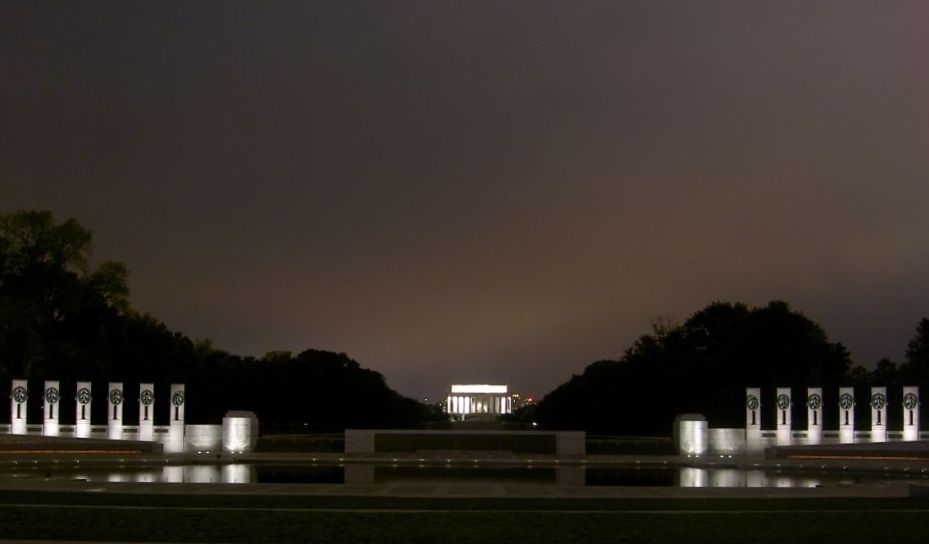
(636, 476)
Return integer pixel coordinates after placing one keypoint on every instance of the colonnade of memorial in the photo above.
(876, 403)
(479, 404)
(115, 396)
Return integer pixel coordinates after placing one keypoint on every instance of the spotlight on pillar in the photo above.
(878, 414)
(691, 434)
(50, 397)
(753, 416)
(784, 416)
(175, 441)
(114, 418)
(846, 415)
(18, 397)
(911, 413)
(814, 415)
(240, 432)
(146, 411)
(82, 410)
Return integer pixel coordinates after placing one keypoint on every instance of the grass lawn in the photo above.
(244, 518)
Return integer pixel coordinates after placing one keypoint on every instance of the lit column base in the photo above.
(146, 431)
(50, 427)
(783, 436)
(814, 435)
(114, 432)
(846, 436)
(82, 429)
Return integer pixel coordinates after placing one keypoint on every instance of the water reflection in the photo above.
(240, 473)
(733, 477)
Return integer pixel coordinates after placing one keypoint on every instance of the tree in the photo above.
(703, 365)
(915, 369)
(55, 310)
(62, 319)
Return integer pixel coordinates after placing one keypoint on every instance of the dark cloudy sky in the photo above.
(481, 191)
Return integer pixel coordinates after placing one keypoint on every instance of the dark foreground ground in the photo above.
(82, 516)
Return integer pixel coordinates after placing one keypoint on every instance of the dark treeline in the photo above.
(704, 365)
(62, 320)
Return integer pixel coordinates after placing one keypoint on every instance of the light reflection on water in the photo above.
(240, 473)
(733, 477)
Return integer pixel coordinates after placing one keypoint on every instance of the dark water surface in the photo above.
(671, 476)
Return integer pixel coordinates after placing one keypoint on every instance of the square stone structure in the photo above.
(146, 411)
(753, 415)
(114, 415)
(51, 396)
(784, 406)
(476, 399)
(911, 413)
(878, 414)
(18, 396)
(175, 442)
(814, 415)
(846, 415)
(82, 399)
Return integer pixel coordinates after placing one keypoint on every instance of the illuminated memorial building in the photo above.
(476, 400)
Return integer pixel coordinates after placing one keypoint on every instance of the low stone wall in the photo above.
(393, 440)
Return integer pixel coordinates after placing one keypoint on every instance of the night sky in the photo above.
(482, 191)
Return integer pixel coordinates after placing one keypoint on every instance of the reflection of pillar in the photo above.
(878, 414)
(756, 478)
(146, 411)
(238, 474)
(814, 415)
(911, 413)
(18, 397)
(114, 417)
(846, 415)
(50, 397)
(784, 416)
(692, 477)
(82, 410)
(176, 429)
(727, 477)
(172, 474)
(753, 415)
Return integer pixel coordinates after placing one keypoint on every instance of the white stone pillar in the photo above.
(176, 429)
(784, 416)
(18, 396)
(911, 413)
(753, 415)
(814, 415)
(878, 414)
(146, 411)
(82, 400)
(114, 415)
(846, 415)
(51, 396)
